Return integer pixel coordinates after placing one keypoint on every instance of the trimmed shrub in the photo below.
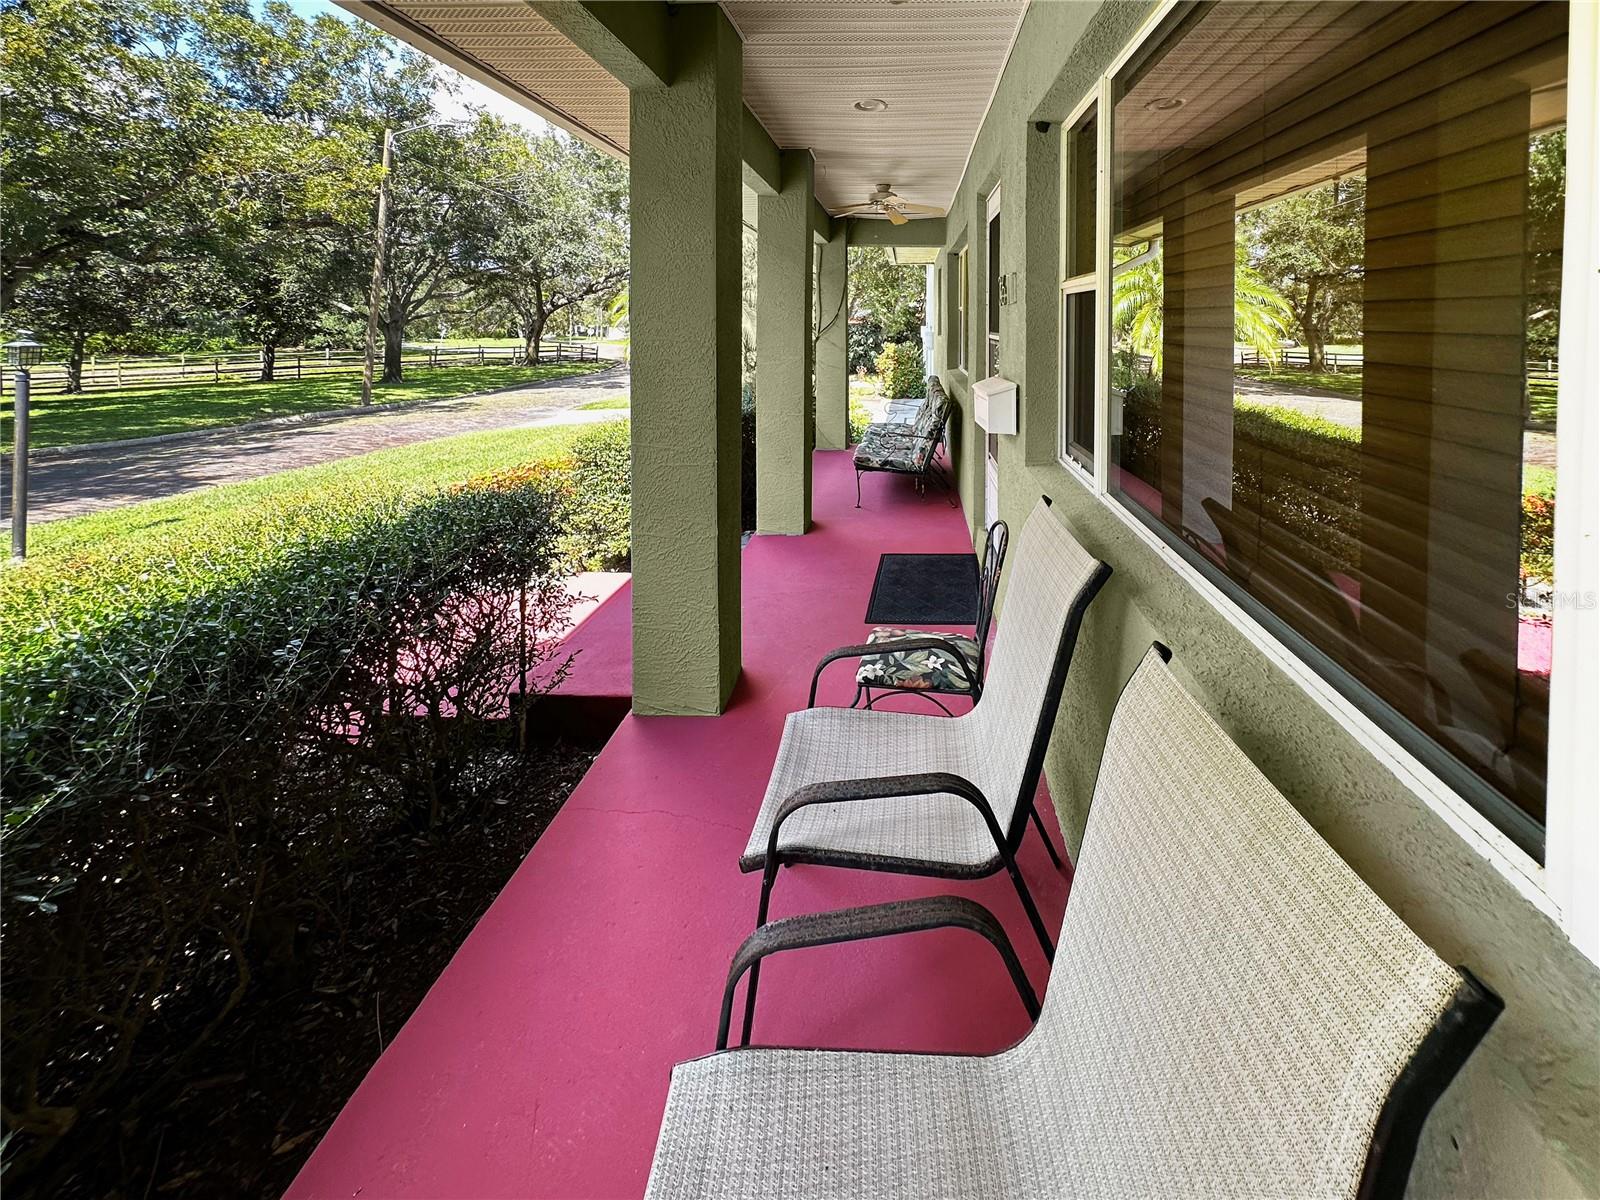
(1139, 450)
(900, 368)
(1303, 475)
(195, 742)
(598, 518)
(859, 418)
(1539, 533)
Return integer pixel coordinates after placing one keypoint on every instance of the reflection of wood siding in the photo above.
(1441, 99)
(1197, 352)
(1441, 466)
(1419, 63)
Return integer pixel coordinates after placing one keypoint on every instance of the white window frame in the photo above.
(1566, 887)
(1096, 281)
(991, 303)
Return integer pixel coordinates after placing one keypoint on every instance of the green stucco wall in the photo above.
(1523, 1119)
(686, 176)
(784, 349)
(833, 321)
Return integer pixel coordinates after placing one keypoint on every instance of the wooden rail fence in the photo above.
(51, 378)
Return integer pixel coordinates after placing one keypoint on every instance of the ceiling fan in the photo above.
(897, 208)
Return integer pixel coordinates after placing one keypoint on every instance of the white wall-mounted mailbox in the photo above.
(994, 404)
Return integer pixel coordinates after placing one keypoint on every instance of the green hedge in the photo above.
(900, 368)
(1303, 474)
(1539, 528)
(198, 734)
(599, 514)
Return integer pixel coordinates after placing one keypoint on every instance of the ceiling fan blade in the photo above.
(851, 210)
(920, 208)
(896, 217)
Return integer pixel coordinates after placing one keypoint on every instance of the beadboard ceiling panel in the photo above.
(935, 62)
(515, 51)
(806, 62)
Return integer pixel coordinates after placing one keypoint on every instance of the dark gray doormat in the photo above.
(925, 589)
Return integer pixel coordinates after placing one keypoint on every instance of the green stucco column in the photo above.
(833, 365)
(686, 172)
(783, 350)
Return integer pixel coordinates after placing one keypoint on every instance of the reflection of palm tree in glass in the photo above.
(1261, 316)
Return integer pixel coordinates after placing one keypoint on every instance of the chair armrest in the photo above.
(873, 921)
(868, 649)
(885, 787)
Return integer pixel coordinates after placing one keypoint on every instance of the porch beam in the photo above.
(784, 349)
(832, 356)
(629, 38)
(685, 168)
(925, 231)
(821, 223)
(763, 173)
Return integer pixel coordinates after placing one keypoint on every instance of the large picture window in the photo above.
(1336, 239)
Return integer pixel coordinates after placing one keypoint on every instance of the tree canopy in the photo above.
(886, 303)
(176, 172)
(1311, 248)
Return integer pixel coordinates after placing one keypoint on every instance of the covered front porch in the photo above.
(538, 1064)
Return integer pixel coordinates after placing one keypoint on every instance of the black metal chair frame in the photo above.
(994, 557)
(1006, 842)
(1411, 1096)
(933, 469)
(1386, 1171)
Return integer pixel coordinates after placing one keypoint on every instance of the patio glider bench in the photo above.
(908, 447)
(1232, 1012)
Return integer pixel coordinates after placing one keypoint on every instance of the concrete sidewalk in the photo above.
(115, 474)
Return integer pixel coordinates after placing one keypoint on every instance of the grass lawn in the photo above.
(608, 403)
(226, 513)
(1345, 382)
(1542, 401)
(175, 408)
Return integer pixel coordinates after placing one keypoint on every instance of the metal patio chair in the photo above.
(939, 796)
(1232, 1012)
(925, 663)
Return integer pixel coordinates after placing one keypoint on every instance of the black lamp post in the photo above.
(21, 353)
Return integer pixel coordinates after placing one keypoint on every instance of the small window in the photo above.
(1079, 296)
(959, 333)
(993, 298)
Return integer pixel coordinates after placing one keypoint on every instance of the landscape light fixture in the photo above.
(21, 353)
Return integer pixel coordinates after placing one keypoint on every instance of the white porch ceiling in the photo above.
(806, 62)
(936, 62)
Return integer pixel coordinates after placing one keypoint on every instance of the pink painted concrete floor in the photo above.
(538, 1063)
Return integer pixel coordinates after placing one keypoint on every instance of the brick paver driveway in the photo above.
(86, 481)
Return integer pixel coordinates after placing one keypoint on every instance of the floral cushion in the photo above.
(887, 453)
(924, 670)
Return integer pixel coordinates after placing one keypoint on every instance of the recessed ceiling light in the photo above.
(871, 104)
(1165, 103)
